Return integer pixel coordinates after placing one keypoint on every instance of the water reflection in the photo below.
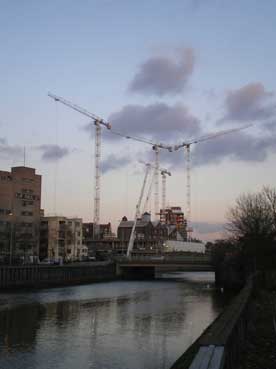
(109, 325)
(18, 327)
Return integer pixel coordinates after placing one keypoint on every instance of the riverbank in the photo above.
(259, 349)
(42, 276)
(223, 339)
(244, 335)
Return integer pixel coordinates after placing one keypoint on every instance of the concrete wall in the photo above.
(184, 246)
(50, 276)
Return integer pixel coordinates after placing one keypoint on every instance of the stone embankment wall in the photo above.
(50, 276)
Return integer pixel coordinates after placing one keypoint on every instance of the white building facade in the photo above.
(61, 238)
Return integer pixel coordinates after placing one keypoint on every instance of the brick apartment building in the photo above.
(148, 235)
(101, 244)
(20, 208)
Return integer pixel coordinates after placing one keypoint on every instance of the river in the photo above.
(111, 325)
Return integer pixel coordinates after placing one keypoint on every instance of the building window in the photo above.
(27, 180)
(5, 212)
(27, 213)
(27, 196)
(26, 224)
(26, 203)
(27, 190)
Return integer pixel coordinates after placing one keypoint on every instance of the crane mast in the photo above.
(156, 183)
(98, 122)
(137, 211)
(164, 173)
(187, 151)
(97, 183)
(188, 191)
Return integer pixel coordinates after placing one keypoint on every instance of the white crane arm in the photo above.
(211, 136)
(145, 208)
(144, 140)
(83, 111)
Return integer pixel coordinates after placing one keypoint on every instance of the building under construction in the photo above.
(173, 217)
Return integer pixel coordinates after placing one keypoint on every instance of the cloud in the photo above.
(53, 152)
(113, 162)
(163, 75)
(198, 4)
(9, 151)
(270, 126)
(239, 146)
(205, 227)
(159, 121)
(249, 103)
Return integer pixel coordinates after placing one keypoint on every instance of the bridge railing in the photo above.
(166, 258)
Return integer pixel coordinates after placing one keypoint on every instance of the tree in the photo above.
(252, 223)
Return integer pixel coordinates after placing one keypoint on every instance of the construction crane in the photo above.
(156, 148)
(146, 203)
(164, 173)
(98, 122)
(187, 151)
(137, 212)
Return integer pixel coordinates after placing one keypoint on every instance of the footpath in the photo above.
(259, 350)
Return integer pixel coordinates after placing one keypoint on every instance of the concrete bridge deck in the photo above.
(147, 266)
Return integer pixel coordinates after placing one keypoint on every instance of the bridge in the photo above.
(146, 266)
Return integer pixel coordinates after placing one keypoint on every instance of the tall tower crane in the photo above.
(98, 122)
(156, 148)
(137, 212)
(187, 150)
(164, 173)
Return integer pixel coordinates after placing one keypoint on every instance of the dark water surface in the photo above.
(122, 324)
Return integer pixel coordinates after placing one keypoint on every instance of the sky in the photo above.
(168, 71)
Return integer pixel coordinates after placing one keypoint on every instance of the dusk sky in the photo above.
(164, 70)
